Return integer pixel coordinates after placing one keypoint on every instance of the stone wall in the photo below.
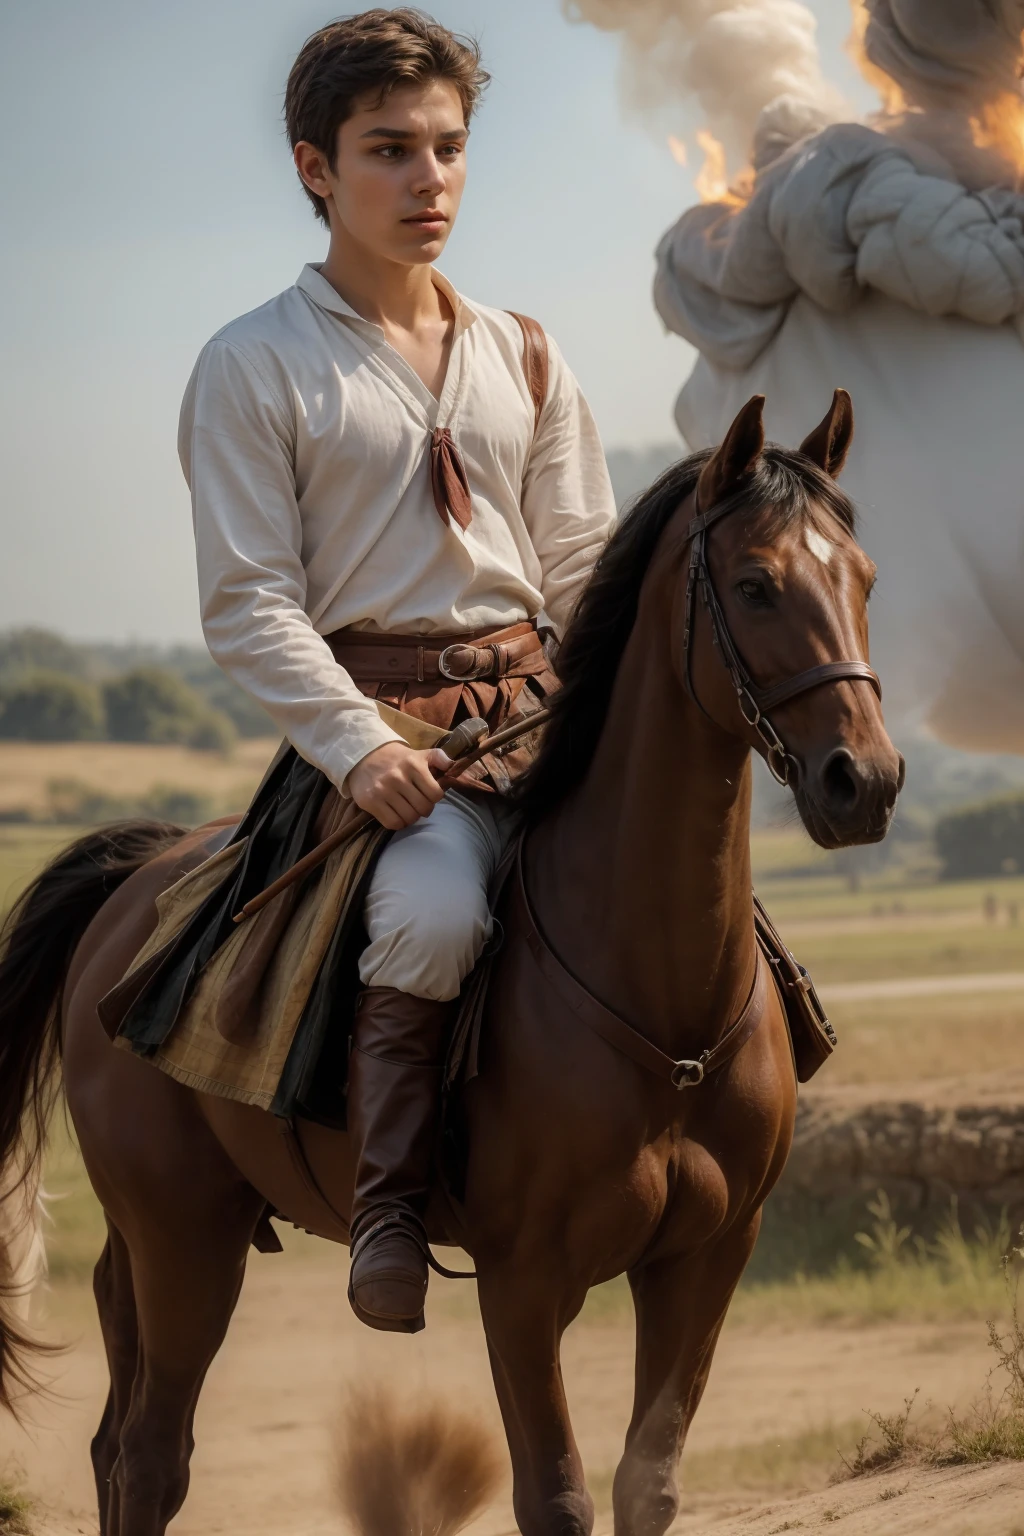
(922, 1145)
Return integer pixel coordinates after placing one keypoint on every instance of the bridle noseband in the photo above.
(754, 701)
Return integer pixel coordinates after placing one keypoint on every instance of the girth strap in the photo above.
(615, 1031)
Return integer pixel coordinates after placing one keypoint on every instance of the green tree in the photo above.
(982, 840)
(44, 706)
(150, 704)
(27, 651)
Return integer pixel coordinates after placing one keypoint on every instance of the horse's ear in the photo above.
(735, 459)
(830, 441)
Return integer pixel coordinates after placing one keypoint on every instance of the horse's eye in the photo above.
(755, 593)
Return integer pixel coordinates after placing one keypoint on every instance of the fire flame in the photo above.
(999, 126)
(712, 180)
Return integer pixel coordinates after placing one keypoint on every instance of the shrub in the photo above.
(982, 840)
(80, 804)
(152, 705)
(212, 732)
(48, 707)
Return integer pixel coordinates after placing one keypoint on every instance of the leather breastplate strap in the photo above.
(615, 1031)
(369, 657)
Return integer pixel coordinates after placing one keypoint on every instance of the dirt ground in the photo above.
(264, 1457)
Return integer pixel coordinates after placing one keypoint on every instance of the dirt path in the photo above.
(922, 986)
(955, 1501)
(263, 1463)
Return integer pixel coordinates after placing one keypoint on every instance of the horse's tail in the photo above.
(37, 941)
(412, 1467)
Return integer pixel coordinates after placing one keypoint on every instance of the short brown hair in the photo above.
(370, 55)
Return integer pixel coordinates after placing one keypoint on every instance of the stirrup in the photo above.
(398, 1216)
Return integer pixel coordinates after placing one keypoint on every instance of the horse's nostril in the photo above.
(903, 772)
(839, 781)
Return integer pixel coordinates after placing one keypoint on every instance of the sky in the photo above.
(148, 197)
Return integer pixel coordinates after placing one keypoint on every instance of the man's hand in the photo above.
(395, 783)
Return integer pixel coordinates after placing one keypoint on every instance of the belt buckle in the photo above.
(482, 669)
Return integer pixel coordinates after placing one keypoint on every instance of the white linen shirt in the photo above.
(305, 440)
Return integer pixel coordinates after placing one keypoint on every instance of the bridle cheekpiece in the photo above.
(754, 701)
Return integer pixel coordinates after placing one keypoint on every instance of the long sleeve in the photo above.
(237, 449)
(568, 502)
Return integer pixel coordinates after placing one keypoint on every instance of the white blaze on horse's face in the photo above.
(818, 545)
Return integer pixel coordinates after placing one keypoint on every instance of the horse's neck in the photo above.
(642, 879)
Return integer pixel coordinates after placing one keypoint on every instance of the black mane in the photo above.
(603, 620)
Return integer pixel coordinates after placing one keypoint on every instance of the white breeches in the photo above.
(426, 911)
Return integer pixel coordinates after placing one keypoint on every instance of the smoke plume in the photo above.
(748, 74)
(748, 71)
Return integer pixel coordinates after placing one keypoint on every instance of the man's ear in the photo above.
(830, 441)
(735, 459)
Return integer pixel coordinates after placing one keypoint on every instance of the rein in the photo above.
(754, 701)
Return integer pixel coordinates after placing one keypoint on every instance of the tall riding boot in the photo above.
(394, 1095)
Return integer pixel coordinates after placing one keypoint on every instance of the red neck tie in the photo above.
(449, 481)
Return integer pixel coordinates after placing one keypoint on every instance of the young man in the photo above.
(386, 495)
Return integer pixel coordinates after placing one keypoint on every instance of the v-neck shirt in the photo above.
(305, 440)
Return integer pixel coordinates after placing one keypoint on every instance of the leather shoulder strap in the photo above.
(536, 363)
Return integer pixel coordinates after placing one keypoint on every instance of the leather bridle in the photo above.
(754, 701)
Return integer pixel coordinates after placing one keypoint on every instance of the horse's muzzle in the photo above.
(847, 800)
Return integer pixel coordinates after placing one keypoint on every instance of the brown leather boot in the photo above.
(394, 1094)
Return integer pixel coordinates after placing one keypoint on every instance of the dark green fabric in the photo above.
(279, 827)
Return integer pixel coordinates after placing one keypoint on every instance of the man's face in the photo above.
(399, 173)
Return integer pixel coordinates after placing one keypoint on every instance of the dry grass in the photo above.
(15, 1510)
(990, 1429)
(419, 1470)
(127, 769)
(924, 1038)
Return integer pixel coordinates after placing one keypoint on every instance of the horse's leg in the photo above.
(524, 1323)
(681, 1304)
(187, 1282)
(115, 1302)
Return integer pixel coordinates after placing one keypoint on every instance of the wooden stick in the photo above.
(322, 851)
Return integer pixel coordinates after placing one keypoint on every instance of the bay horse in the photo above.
(585, 1159)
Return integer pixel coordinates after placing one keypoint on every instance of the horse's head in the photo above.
(773, 631)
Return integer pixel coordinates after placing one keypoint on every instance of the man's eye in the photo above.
(755, 593)
(391, 151)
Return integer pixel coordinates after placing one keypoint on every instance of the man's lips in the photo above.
(431, 219)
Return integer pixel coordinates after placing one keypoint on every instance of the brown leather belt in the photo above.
(488, 654)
